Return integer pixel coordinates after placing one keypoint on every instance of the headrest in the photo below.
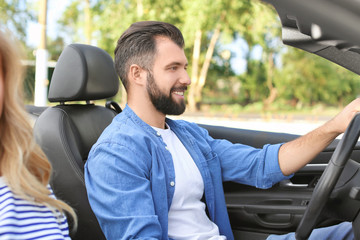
(83, 72)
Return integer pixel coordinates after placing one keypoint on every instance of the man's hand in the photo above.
(297, 153)
(341, 121)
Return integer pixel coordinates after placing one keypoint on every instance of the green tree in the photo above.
(314, 79)
(265, 32)
(15, 15)
(207, 25)
(253, 82)
(222, 85)
(55, 47)
(77, 21)
(202, 23)
(223, 20)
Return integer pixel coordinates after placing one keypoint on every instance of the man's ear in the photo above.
(137, 74)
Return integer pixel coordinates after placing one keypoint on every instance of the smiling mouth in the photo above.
(179, 91)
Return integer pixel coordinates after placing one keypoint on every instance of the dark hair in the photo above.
(137, 45)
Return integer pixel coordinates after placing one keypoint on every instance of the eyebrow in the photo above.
(176, 63)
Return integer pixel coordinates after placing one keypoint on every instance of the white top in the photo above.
(21, 219)
(187, 216)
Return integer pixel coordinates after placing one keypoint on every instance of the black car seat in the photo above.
(67, 131)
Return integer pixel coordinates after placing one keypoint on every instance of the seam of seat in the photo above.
(67, 148)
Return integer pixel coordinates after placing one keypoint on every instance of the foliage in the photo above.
(253, 82)
(29, 84)
(55, 47)
(315, 79)
(15, 15)
(275, 77)
(72, 21)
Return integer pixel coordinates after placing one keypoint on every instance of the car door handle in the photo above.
(264, 209)
(275, 216)
(289, 184)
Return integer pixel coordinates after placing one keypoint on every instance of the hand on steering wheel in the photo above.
(329, 179)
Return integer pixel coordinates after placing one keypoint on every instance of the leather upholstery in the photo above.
(83, 72)
(67, 132)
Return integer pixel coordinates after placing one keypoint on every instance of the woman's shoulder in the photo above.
(5, 193)
(2, 182)
(24, 219)
(13, 206)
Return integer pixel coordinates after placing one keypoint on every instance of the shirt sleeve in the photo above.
(244, 164)
(118, 185)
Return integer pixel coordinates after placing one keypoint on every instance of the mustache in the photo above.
(179, 89)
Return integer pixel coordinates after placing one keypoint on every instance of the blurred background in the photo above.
(237, 62)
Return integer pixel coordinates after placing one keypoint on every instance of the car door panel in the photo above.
(257, 212)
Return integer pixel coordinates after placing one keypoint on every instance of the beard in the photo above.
(162, 102)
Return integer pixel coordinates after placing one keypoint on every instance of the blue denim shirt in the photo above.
(130, 177)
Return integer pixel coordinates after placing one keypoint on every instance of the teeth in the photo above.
(179, 93)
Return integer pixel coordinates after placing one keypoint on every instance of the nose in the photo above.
(185, 79)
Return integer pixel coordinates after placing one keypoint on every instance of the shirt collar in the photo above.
(132, 115)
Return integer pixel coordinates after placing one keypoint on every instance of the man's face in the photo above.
(164, 102)
(168, 82)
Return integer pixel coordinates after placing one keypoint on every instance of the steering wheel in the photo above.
(329, 179)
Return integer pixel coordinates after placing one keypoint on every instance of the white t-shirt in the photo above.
(187, 216)
(21, 219)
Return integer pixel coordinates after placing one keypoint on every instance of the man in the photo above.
(155, 178)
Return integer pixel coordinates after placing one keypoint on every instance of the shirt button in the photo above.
(167, 148)
(172, 183)
(157, 133)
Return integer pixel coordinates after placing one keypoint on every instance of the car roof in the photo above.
(328, 28)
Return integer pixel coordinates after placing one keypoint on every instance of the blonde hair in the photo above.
(22, 163)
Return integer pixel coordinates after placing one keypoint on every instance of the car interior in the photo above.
(67, 131)
(323, 193)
